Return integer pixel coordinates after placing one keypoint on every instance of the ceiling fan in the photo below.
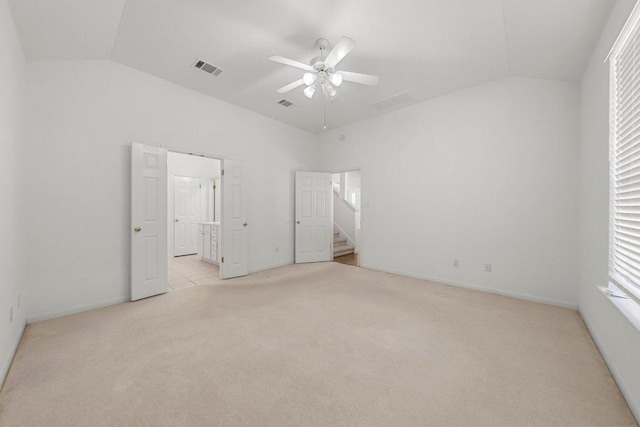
(321, 71)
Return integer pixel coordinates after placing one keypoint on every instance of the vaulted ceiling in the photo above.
(424, 48)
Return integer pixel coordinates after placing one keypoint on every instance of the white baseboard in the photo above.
(12, 353)
(38, 317)
(633, 405)
(533, 298)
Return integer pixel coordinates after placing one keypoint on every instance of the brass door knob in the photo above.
(137, 229)
(245, 224)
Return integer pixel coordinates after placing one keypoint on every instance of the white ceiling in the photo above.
(67, 29)
(427, 48)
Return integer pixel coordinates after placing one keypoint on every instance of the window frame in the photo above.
(630, 29)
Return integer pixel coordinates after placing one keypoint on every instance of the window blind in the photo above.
(624, 253)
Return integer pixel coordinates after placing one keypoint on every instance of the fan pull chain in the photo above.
(324, 106)
(325, 113)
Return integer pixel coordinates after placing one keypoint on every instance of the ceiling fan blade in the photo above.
(290, 86)
(339, 51)
(364, 79)
(291, 63)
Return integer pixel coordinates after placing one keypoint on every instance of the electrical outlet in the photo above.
(456, 263)
(487, 268)
(11, 315)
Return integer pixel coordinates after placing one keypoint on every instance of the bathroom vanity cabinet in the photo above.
(209, 242)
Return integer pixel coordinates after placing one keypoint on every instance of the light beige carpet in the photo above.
(313, 345)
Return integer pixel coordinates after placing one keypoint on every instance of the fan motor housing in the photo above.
(318, 64)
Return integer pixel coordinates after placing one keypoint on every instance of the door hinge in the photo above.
(222, 259)
(222, 173)
(200, 185)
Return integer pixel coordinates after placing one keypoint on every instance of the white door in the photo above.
(186, 214)
(314, 217)
(148, 221)
(234, 260)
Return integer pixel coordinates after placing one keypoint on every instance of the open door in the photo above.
(148, 221)
(186, 213)
(235, 240)
(314, 217)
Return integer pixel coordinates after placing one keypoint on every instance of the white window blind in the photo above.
(624, 227)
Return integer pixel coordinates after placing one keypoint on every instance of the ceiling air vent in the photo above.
(207, 68)
(285, 103)
(392, 101)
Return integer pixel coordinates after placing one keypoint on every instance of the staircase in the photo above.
(340, 246)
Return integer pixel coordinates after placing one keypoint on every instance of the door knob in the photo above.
(297, 222)
(245, 224)
(176, 220)
(137, 229)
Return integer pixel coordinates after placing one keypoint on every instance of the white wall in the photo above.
(83, 116)
(618, 340)
(485, 175)
(353, 187)
(192, 166)
(12, 246)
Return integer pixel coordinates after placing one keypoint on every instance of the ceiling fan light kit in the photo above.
(326, 82)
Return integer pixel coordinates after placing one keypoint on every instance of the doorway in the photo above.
(328, 217)
(152, 235)
(193, 208)
(347, 227)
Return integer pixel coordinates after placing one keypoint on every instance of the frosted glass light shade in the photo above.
(309, 78)
(309, 91)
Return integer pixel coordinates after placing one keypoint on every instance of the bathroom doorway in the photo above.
(224, 243)
(193, 208)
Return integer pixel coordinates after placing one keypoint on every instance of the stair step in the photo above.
(341, 253)
(342, 250)
(342, 247)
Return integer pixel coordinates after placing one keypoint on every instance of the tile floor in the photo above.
(190, 270)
